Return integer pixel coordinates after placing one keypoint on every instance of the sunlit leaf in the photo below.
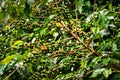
(104, 32)
(114, 47)
(33, 40)
(113, 27)
(84, 64)
(19, 64)
(8, 59)
(107, 72)
(95, 30)
(51, 17)
(43, 31)
(7, 27)
(2, 67)
(55, 34)
(110, 17)
(18, 42)
(44, 79)
(95, 60)
(50, 1)
(36, 29)
(97, 72)
(30, 2)
(58, 24)
(80, 5)
(104, 12)
(89, 18)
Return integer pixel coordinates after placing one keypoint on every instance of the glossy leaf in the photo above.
(80, 5)
(8, 59)
(107, 72)
(2, 67)
(114, 47)
(18, 42)
(97, 72)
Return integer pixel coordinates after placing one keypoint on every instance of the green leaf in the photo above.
(7, 27)
(95, 30)
(104, 47)
(50, 1)
(8, 59)
(106, 61)
(84, 64)
(95, 60)
(2, 67)
(97, 72)
(36, 29)
(27, 10)
(18, 42)
(87, 3)
(44, 79)
(43, 31)
(48, 20)
(114, 47)
(55, 34)
(110, 7)
(43, 2)
(80, 5)
(51, 17)
(103, 20)
(107, 72)
(116, 76)
(20, 57)
(104, 32)
(30, 2)
(2, 15)
(33, 40)
(6, 18)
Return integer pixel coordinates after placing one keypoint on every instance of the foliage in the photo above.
(61, 40)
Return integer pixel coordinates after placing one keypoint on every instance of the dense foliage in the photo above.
(60, 40)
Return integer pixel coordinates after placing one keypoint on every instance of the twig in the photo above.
(68, 38)
(12, 72)
(87, 55)
(80, 41)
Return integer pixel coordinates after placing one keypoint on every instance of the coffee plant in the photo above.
(59, 39)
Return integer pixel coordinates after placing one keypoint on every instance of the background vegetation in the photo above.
(60, 40)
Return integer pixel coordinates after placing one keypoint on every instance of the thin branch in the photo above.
(80, 41)
(87, 55)
(13, 72)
